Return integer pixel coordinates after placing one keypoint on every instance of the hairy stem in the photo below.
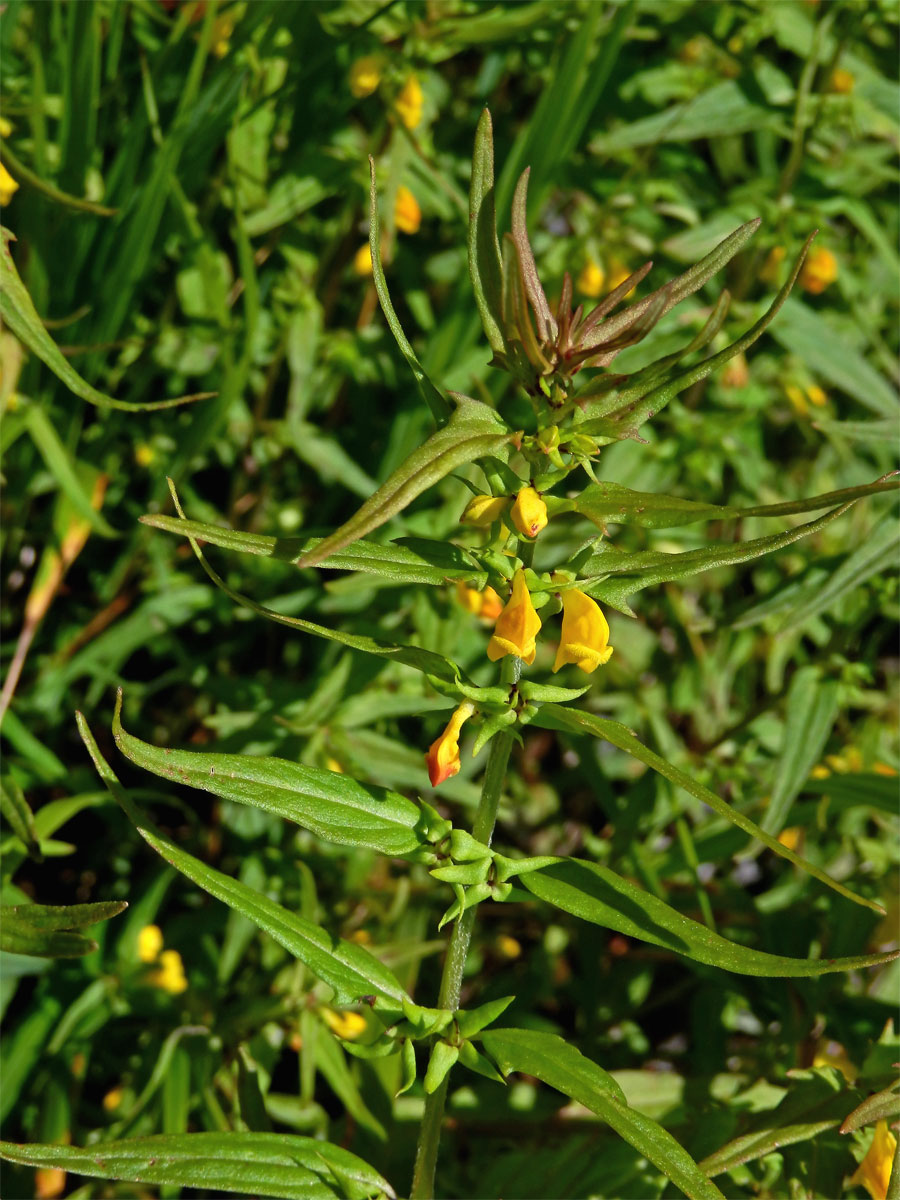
(455, 962)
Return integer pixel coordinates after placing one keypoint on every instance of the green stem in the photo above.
(455, 962)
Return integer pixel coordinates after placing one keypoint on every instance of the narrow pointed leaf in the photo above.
(23, 174)
(554, 716)
(440, 407)
(473, 430)
(548, 1058)
(546, 326)
(349, 969)
(16, 813)
(484, 248)
(250, 1164)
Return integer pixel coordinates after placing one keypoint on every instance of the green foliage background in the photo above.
(234, 154)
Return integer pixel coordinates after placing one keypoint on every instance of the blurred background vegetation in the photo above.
(231, 142)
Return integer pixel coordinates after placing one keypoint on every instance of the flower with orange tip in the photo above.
(585, 633)
(407, 214)
(874, 1172)
(442, 758)
(819, 270)
(482, 511)
(410, 102)
(365, 75)
(517, 626)
(590, 279)
(529, 512)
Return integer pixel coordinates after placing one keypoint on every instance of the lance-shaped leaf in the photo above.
(546, 325)
(484, 248)
(349, 969)
(51, 931)
(882, 1106)
(554, 716)
(333, 806)
(613, 504)
(649, 567)
(624, 421)
(416, 560)
(679, 289)
(473, 430)
(15, 811)
(596, 894)
(548, 1058)
(250, 1164)
(19, 313)
(436, 401)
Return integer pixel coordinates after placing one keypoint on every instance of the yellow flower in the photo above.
(150, 942)
(791, 837)
(365, 75)
(223, 28)
(144, 454)
(491, 605)
(816, 395)
(8, 186)
(833, 1054)
(409, 103)
(820, 269)
(362, 260)
(113, 1099)
(407, 214)
(585, 633)
(5, 127)
(769, 271)
(874, 1172)
(49, 1182)
(486, 604)
(529, 512)
(333, 765)
(469, 598)
(618, 273)
(508, 947)
(517, 626)
(347, 1025)
(841, 81)
(483, 510)
(170, 976)
(442, 758)
(590, 279)
(362, 937)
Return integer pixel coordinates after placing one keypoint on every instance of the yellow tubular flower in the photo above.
(442, 758)
(585, 633)
(517, 626)
(365, 75)
(150, 942)
(483, 510)
(874, 1172)
(820, 269)
(407, 214)
(469, 598)
(170, 976)
(491, 605)
(362, 260)
(8, 186)
(49, 1182)
(529, 512)
(347, 1025)
(591, 279)
(409, 103)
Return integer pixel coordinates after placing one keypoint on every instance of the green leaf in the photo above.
(811, 708)
(473, 430)
(331, 805)
(882, 1106)
(15, 811)
(59, 463)
(650, 567)
(47, 931)
(596, 894)
(416, 560)
(553, 716)
(473, 1020)
(23, 174)
(443, 1056)
(349, 969)
(260, 1164)
(19, 313)
(484, 247)
(611, 503)
(440, 408)
(548, 1058)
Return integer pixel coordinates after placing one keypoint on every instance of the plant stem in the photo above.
(455, 962)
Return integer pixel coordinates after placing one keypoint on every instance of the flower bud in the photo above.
(483, 511)
(365, 75)
(407, 214)
(442, 758)
(529, 512)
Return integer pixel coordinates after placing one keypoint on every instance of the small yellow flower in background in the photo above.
(347, 1025)
(333, 765)
(492, 606)
(170, 976)
(8, 186)
(5, 127)
(841, 81)
(874, 1172)
(819, 270)
(517, 626)
(591, 279)
(529, 512)
(113, 1099)
(409, 103)
(442, 758)
(365, 75)
(816, 395)
(881, 768)
(144, 454)
(769, 271)
(223, 28)
(362, 937)
(850, 760)
(49, 1182)
(150, 943)
(362, 260)
(791, 837)
(407, 214)
(482, 511)
(801, 398)
(508, 947)
(833, 1054)
(737, 373)
(486, 604)
(618, 273)
(585, 633)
